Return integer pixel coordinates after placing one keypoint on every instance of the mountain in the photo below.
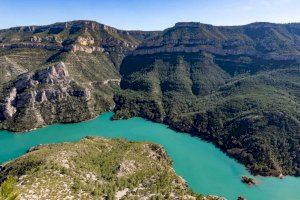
(96, 168)
(236, 86)
(64, 72)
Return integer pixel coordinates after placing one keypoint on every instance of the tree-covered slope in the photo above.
(235, 86)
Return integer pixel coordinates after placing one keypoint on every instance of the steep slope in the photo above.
(235, 86)
(96, 168)
(46, 96)
(260, 40)
(87, 56)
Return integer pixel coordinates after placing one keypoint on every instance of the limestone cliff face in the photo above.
(64, 72)
(211, 81)
(74, 36)
(271, 41)
(43, 97)
(9, 110)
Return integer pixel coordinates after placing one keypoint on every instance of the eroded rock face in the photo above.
(56, 94)
(261, 40)
(85, 40)
(54, 74)
(50, 39)
(10, 110)
(75, 36)
(84, 44)
(83, 48)
(42, 97)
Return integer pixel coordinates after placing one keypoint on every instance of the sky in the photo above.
(147, 14)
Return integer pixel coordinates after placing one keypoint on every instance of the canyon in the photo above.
(235, 86)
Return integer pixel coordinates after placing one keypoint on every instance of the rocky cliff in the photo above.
(64, 72)
(271, 41)
(236, 86)
(44, 97)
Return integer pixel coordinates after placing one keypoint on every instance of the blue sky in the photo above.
(147, 14)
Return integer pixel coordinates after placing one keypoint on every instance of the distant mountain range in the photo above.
(236, 86)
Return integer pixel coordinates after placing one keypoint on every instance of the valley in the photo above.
(205, 169)
(237, 87)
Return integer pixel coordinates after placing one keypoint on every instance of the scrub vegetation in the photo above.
(95, 168)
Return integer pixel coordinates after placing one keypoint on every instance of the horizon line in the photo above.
(174, 24)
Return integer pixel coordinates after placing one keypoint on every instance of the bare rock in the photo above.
(10, 110)
(248, 180)
(42, 97)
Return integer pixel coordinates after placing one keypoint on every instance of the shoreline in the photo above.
(280, 176)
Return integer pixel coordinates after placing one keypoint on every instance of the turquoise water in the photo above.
(206, 169)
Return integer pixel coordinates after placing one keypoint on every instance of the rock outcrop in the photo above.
(235, 86)
(75, 36)
(27, 98)
(64, 72)
(83, 48)
(9, 110)
(271, 41)
(248, 180)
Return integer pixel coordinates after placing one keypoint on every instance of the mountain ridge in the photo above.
(180, 22)
(236, 86)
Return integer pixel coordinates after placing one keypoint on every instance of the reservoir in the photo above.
(206, 169)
